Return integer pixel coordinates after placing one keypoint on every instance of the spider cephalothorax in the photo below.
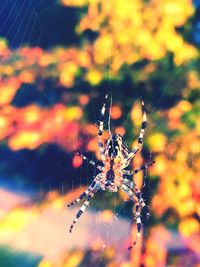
(112, 176)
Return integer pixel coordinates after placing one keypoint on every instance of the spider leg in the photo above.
(100, 130)
(143, 167)
(144, 125)
(92, 187)
(128, 191)
(139, 225)
(83, 195)
(133, 189)
(128, 183)
(138, 193)
(140, 139)
(91, 162)
(133, 193)
(82, 209)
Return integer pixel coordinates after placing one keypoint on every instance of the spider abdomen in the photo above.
(110, 177)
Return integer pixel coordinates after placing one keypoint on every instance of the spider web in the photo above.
(29, 23)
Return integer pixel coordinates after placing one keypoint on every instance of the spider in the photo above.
(113, 175)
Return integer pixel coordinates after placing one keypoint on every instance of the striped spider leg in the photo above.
(100, 126)
(134, 193)
(89, 193)
(129, 188)
(132, 154)
(143, 167)
(94, 187)
(91, 162)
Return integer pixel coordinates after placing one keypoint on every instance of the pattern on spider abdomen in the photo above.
(112, 176)
(116, 147)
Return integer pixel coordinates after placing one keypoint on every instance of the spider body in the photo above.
(112, 176)
(116, 147)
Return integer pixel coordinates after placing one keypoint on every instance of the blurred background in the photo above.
(58, 60)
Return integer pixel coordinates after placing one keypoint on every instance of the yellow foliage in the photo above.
(186, 53)
(46, 59)
(93, 76)
(68, 73)
(45, 263)
(181, 156)
(27, 76)
(73, 113)
(136, 114)
(184, 105)
(102, 48)
(189, 226)
(84, 59)
(185, 207)
(159, 205)
(58, 204)
(25, 139)
(3, 44)
(193, 79)
(74, 259)
(78, 3)
(184, 190)
(32, 114)
(146, 29)
(8, 90)
(16, 220)
(157, 142)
